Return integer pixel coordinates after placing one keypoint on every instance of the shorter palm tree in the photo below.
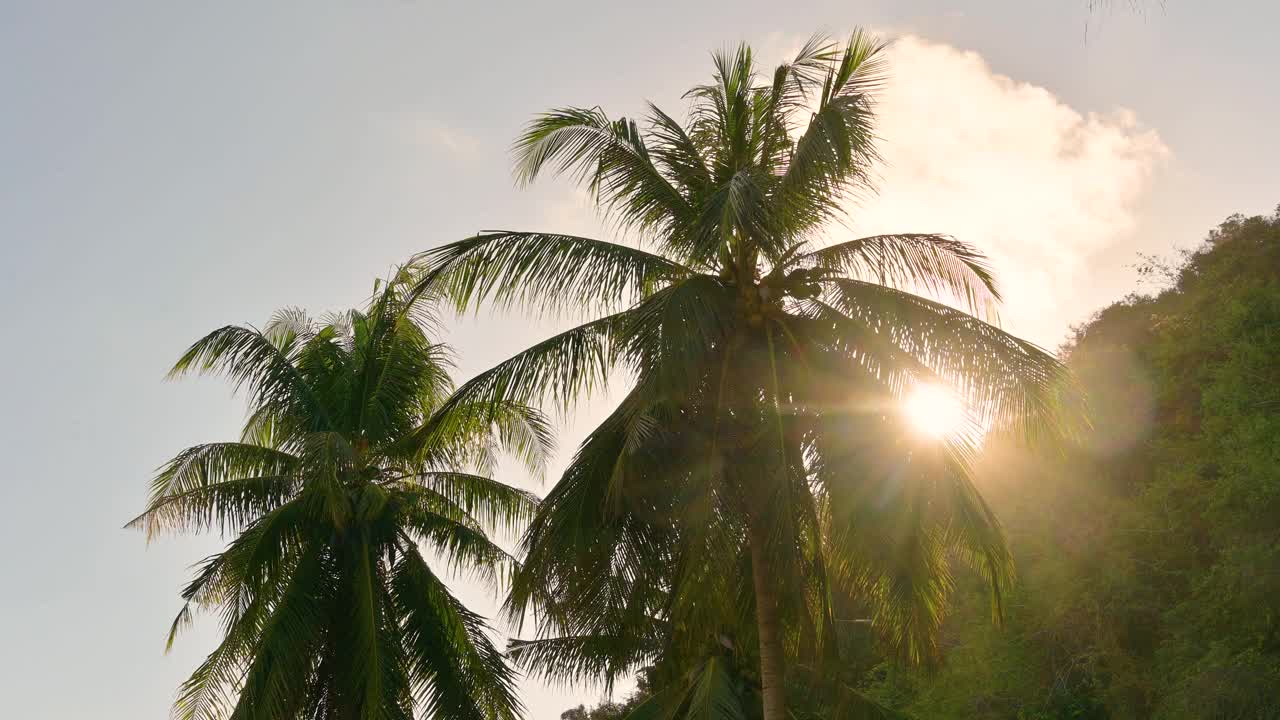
(344, 472)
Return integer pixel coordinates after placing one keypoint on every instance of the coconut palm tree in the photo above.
(757, 466)
(344, 474)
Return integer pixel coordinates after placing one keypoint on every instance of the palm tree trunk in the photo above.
(771, 659)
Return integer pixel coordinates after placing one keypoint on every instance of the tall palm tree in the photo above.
(757, 465)
(344, 473)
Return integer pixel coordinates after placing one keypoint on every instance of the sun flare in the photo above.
(935, 410)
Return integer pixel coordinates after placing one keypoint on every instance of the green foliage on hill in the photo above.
(1149, 557)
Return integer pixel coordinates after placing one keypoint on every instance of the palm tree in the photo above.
(757, 466)
(345, 471)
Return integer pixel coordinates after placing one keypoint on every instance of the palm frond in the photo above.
(971, 529)
(889, 519)
(404, 378)
(561, 368)
(210, 693)
(678, 155)
(611, 158)
(493, 503)
(456, 671)
(229, 505)
(714, 695)
(212, 464)
(457, 537)
(273, 684)
(833, 155)
(676, 335)
(523, 432)
(938, 264)
(253, 567)
(288, 328)
(1006, 382)
(570, 659)
(545, 272)
(366, 643)
(710, 690)
(796, 83)
(585, 556)
(253, 361)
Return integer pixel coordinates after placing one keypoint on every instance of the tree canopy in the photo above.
(758, 468)
(345, 473)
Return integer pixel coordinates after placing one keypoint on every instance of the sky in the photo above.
(167, 168)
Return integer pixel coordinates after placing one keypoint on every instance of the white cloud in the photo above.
(1011, 168)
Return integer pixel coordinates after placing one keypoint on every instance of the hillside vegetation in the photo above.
(1149, 557)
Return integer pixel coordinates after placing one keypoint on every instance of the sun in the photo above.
(935, 410)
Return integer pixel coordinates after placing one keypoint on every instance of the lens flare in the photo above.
(935, 410)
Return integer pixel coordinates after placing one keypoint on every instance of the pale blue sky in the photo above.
(167, 167)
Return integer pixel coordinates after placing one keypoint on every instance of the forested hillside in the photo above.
(1149, 557)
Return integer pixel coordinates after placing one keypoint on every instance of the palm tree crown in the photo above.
(329, 608)
(757, 465)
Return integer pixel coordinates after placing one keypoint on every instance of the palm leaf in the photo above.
(834, 153)
(457, 537)
(938, 264)
(545, 271)
(456, 671)
(1006, 382)
(229, 505)
(571, 658)
(252, 360)
(493, 503)
(611, 158)
(284, 649)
